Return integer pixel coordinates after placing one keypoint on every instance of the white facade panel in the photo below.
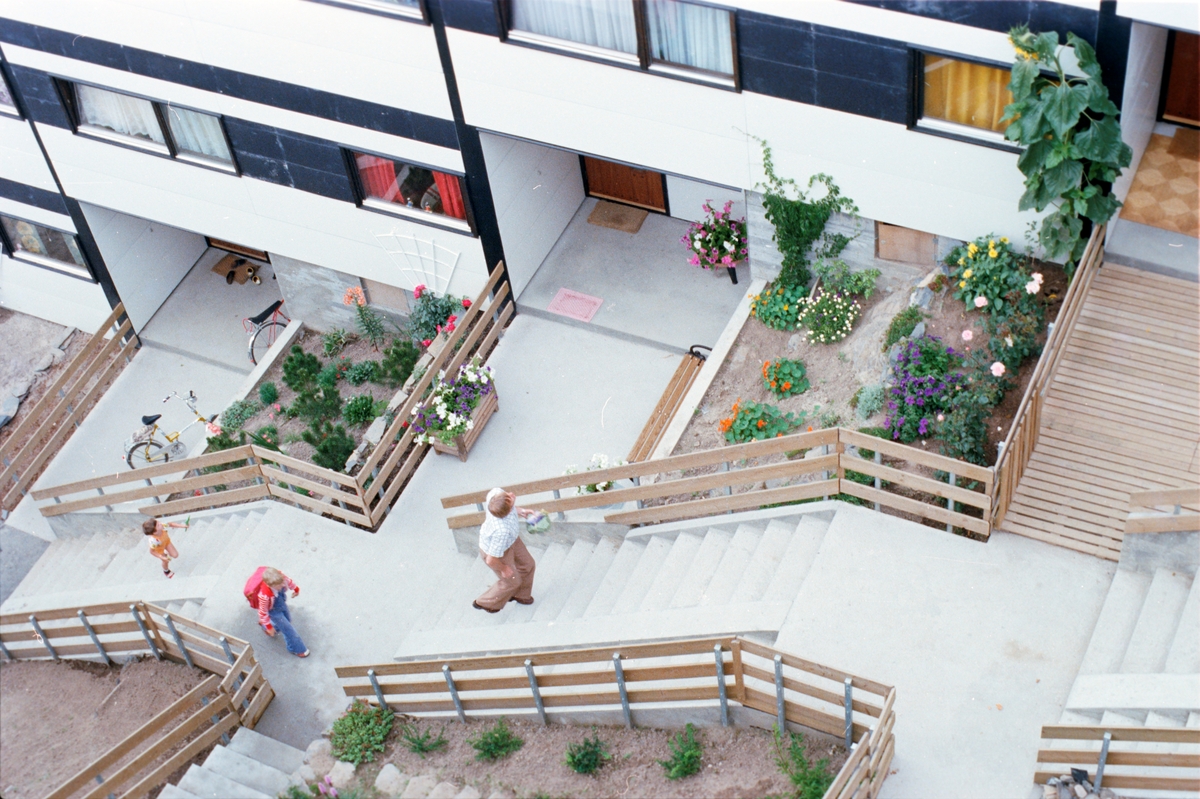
(50, 295)
(21, 157)
(263, 215)
(1182, 15)
(371, 57)
(686, 198)
(1139, 105)
(536, 191)
(32, 213)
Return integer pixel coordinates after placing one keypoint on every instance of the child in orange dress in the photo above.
(160, 543)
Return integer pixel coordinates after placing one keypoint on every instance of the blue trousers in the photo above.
(281, 617)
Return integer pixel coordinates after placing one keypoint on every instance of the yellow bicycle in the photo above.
(144, 448)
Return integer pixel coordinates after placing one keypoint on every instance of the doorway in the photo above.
(625, 184)
(1181, 90)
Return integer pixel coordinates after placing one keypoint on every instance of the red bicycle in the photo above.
(264, 328)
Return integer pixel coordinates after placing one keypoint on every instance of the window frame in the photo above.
(942, 128)
(169, 150)
(13, 112)
(83, 272)
(641, 61)
(450, 223)
(380, 8)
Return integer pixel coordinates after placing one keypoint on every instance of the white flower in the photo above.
(470, 424)
(1008, 340)
(729, 246)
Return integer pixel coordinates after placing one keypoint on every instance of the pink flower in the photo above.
(694, 260)
(213, 428)
(427, 342)
(453, 318)
(271, 416)
(439, 328)
(727, 260)
(418, 291)
(1037, 276)
(277, 407)
(941, 417)
(1033, 287)
(980, 301)
(997, 369)
(967, 335)
(466, 303)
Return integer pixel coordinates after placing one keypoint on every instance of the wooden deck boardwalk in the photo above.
(1122, 413)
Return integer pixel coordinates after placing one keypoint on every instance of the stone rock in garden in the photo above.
(321, 746)
(21, 389)
(443, 790)
(469, 792)
(65, 337)
(57, 355)
(918, 332)
(45, 363)
(303, 776)
(419, 787)
(342, 774)
(8, 409)
(864, 347)
(1108, 793)
(1064, 791)
(1049, 792)
(375, 433)
(319, 757)
(921, 298)
(739, 355)
(815, 452)
(793, 342)
(1080, 792)
(391, 780)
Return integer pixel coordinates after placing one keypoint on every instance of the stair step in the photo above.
(247, 771)
(190, 610)
(133, 564)
(207, 784)
(674, 569)
(551, 598)
(1184, 655)
(729, 571)
(615, 578)
(1156, 624)
(200, 544)
(159, 592)
(764, 562)
(41, 567)
(257, 746)
(81, 566)
(475, 582)
(797, 559)
(589, 580)
(704, 566)
(549, 572)
(1127, 718)
(232, 541)
(1114, 625)
(1138, 693)
(642, 576)
(175, 792)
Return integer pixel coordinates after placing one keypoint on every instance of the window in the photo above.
(158, 127)
(668, 36)
(963, 97)
(399, 8)
(7, 104)
(410, 190)
(44, 246)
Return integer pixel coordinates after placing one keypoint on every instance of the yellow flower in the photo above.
(991, 243)
(1004, 239)
(962, 284)
(992, 253)
(961, 261)
(972, 249)
(967, 273)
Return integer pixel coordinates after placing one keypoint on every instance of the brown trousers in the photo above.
(519, 586)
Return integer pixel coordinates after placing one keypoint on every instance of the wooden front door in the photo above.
(1182, 102)
(624, 184)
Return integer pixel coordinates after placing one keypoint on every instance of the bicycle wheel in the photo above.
(149, 453)
(262, 340)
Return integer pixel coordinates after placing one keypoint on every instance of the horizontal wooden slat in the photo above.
(180, 758)
(793, 684)
(138, 475)
(919, 483)
(318, 506)
(310, 469)
(915, 507)
(1181, 523)
(91, 611)
(186, 485)
(1077, 732)
(862, 683)
(708, 507)
(1187, 495)
(1143, 783)
(1118, 758)
(333, 492)
(215, 500)
(931, 459)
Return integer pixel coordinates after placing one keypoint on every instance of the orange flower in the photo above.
(779, 435)
(761, 424)
(787, 386)
(725, 425)
(810, 428)
(773, 385)
(354, 296)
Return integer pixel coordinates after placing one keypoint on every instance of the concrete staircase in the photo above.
(250, 766)
(723, 575)
(104, 567)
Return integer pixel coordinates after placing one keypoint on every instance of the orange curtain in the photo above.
(967, 94)
(378, 176)
(451, 191)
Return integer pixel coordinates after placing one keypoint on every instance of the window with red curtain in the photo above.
(397, 183)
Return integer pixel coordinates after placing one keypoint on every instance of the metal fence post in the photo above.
(950, 503)
(215, 719)
(145, 633)
(41, 636)
(237, 683)
(95, 638)
(458, 705)
(621, 689)
(561, 515)
(378, 691)
(723, 466)
(156, 498)
(187, 658)
(8, 655)
(637, 481)
(721, 685)
(780, 707)
(1103, 760)
(849, 714)
(537, 695)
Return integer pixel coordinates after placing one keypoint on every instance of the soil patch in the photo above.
(59, 717)
(737, 761)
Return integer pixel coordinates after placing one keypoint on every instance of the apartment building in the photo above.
(393, 143)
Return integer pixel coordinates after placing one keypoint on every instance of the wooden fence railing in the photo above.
(256, 472)
(900, 487)
(1136, 758)
(1023, 431)
(1169, 510)
(236, 693)
(625, 679)
(54, 417)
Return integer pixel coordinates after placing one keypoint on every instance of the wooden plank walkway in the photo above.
(1122, 413)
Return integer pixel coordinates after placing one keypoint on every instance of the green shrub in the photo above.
(362, 410)
(836, 276)
(829, 419)
(360, 733)
(422, 743)
(1013, 338)
(587, 756)
(319, 406)
(753, 421)
(989, 268)
(828, 316)
(268, 393)
(335, 341)
(811, 781)
(331, 374)
(398, 362)
(784, 378)
(429, 312)
(964, 428)
(870, 400)
(877, 432)
(902, 326)
(300, 369)
(685, 755)
(778, 305)
(225, 440)
(267, 436)
(360, 373)
(238, 413)
(331, 446)
(495, 743)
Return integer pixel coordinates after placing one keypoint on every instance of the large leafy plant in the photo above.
(1069, 128)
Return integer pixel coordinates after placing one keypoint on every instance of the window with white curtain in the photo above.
(670, 36)
(44, 246)
(400, 8)
(7, 104)
(158, 127)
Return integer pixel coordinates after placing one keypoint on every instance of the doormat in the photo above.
(574, 305)
(1185, 144)
(617, 216)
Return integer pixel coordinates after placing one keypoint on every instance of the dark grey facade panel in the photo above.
(254, 88)
(477, 16)
(290, 159)
(32, 195)
(999, 15)
(39, 96)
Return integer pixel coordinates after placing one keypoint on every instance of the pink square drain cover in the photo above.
(575, 305)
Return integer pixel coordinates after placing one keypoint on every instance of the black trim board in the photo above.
(253, 88)
(32, 195)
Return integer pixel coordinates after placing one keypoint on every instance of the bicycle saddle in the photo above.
(262, 317)
(151, 419)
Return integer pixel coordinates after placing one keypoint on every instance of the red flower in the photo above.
(466, 303)
(427, 342)
(404, 424)
(453, 318)
(418, 291)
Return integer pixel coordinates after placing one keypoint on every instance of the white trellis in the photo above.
(420, 262)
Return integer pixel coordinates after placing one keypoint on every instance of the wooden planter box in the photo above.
(462, 444)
